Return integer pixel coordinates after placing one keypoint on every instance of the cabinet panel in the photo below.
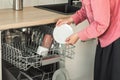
(5, 4)
(81, 67)
(43, 2)
(60, 1)
(30, 2)
(8, 3)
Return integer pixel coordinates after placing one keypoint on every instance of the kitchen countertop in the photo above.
(29, 16)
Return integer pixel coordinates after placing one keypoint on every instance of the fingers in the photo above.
(60, 22)
(64, 21)
(69, 41)
(72, 39)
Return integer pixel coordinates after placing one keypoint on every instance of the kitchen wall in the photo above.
(8, 3)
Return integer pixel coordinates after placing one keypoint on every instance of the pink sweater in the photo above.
(104, 19)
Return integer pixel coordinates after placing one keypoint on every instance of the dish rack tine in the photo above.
(22, 73)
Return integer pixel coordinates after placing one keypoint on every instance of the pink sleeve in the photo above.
(101, 14)
(79, 16)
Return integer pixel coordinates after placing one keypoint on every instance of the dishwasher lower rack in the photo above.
(41, 73)
(24, 56)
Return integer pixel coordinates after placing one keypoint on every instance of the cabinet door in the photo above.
(44, 2)
(60, 1)
(81, 65)
(5, 4)
(30, 2)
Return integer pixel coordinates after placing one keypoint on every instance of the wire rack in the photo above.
(42, 73)
(24, 56)
(21, 53)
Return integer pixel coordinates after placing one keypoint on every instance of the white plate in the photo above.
(60, 75)
(62, 32)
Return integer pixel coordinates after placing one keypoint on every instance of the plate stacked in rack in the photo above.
(61, 74)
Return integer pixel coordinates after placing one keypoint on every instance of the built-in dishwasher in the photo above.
(20, 58)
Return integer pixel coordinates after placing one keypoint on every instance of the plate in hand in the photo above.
(61, 33)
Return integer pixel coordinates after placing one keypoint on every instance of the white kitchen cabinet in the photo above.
(30, 2)
(60, 1)
(44, 2)
(5, 4)
(82, 65)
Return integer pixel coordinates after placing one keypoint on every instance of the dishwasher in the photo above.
(20, 59)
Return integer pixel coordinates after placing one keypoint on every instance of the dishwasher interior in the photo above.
(20, 57)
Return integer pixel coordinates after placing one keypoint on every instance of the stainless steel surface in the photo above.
(18, 4)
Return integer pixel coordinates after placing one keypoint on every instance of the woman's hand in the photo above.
(72, 39)
(68, 20)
